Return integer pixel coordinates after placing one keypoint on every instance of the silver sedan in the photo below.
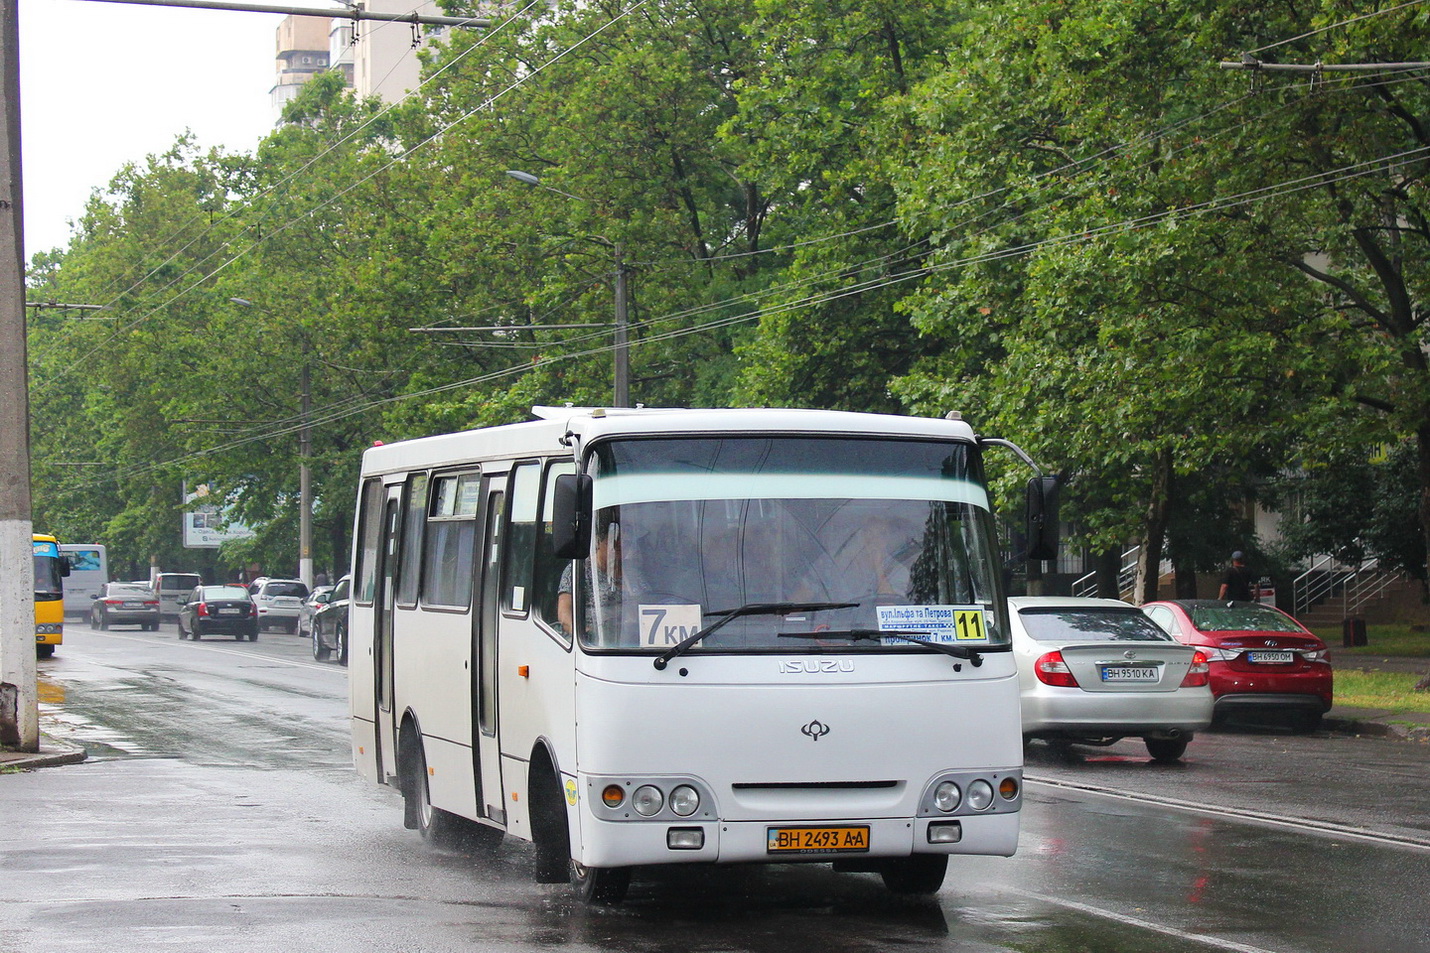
(1094, 671)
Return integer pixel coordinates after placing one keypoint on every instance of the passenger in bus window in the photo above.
(603, 581)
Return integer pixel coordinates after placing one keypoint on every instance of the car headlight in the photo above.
(980, 795)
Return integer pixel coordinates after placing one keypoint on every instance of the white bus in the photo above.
(89, 571)
(783, 638)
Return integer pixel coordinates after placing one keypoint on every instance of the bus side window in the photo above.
(521, 538)
(369, 529)
(547, 569)
(451, 533)
(412, 526)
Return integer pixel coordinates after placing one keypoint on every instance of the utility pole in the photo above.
(19, 701)
(622, 395)
(305, 482)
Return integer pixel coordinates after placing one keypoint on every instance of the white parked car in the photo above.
(1095, 671)
(279, 603)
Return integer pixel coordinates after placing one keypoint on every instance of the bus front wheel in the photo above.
(602, 885)
(916, 874)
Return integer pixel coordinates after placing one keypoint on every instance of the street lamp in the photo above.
(622, 390)
(305, 479)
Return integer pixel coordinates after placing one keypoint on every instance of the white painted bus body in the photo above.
(770, 740)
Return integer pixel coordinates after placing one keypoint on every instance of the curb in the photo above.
(1377, 729)
(52, 754)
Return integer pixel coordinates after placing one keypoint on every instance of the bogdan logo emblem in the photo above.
(815, 730)
(571, 792)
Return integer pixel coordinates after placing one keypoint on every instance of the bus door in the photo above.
(486, 748)
(382, 632)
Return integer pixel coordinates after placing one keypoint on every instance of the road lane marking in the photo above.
(1275, 820)
(1102, 913)
(296, 663)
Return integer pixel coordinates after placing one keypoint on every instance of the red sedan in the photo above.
(1261, 658)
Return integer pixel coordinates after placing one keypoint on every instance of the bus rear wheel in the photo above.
(916, 874)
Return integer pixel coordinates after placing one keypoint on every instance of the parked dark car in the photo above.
(315, 601)
(124, 603)
(330, 624)
(219, 610)
(1262, 660)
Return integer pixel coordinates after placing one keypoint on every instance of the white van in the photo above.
(172, 588)
(89, 571)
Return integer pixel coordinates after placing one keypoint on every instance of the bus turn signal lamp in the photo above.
(613, 796)
(1008, 788)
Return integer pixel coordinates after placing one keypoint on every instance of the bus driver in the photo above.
(603, 583)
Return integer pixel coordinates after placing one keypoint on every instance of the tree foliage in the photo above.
(1060, 217)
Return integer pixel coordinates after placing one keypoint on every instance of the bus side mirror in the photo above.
(65, 566)
(571, 516)
(1042, 517)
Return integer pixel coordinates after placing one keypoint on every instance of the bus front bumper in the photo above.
(627, 844)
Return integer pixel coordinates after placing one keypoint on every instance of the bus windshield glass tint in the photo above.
(687, 529)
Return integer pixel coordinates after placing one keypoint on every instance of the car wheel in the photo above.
(1166, 749)
(320, 650)
(195, 634)
(342, 641)
(94, 619)
(182, 634)
(104, 620)
(916, 874)
(253, 636)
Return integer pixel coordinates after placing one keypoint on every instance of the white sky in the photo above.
(102, 84)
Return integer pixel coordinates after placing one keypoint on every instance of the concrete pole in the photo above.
(305, 483)
(622, 396)
(19, 701)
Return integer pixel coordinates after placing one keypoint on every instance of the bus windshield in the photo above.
(49, 572)
(869, 536)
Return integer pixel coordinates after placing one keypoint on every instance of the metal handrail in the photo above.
(1086, 585)
(1326, 579)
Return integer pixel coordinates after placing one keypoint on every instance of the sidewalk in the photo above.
(51, 753)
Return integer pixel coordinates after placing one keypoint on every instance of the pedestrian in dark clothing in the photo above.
(1237, 583)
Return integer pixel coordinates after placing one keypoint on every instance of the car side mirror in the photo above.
(571, 516)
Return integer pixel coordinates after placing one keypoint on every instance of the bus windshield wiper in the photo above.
(964, 652)
(751, 608)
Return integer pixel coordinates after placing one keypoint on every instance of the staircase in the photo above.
(1330, 592)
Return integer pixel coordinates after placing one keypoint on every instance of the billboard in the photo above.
(206, 522)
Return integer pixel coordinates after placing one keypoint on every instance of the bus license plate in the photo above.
(1127, 673)
(817, 840)
(1270, 658)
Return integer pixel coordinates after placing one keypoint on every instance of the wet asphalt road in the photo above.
(219, 812)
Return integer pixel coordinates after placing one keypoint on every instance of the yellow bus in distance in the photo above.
(50, 570)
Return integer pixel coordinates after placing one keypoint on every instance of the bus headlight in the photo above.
(684, 801)
(647, 800)
(947, 797)
(980, 795)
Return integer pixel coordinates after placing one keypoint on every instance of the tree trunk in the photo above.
(1422, 445)
(1109, 567)
(1154, 529)
(1186, 582)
